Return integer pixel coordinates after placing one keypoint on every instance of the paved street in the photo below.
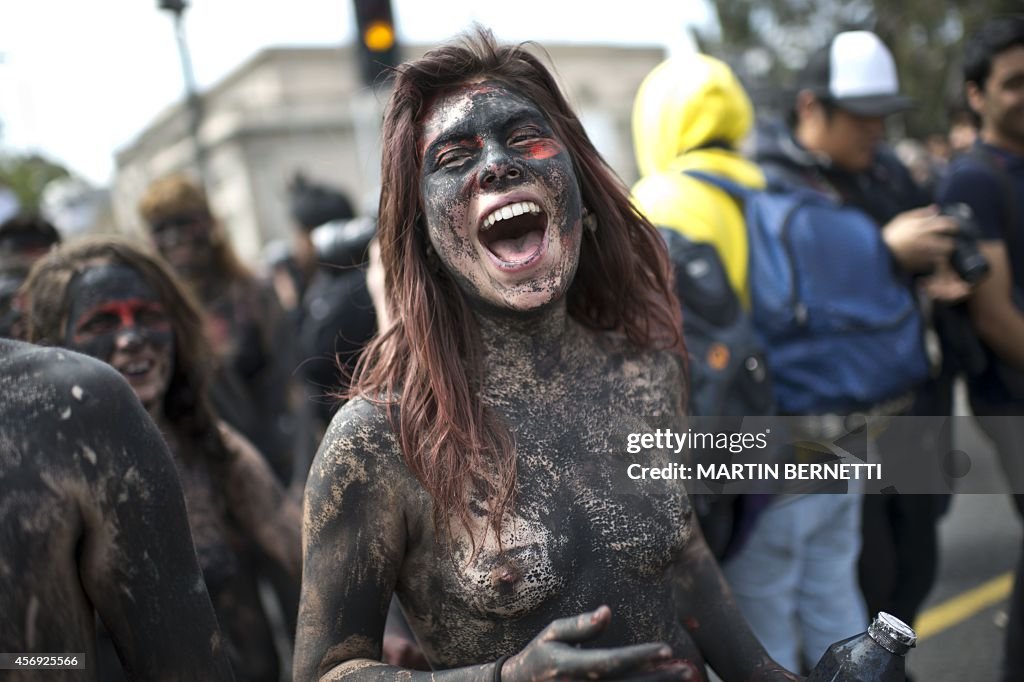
(980, 538)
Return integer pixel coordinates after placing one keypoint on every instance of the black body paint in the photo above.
(92, 518)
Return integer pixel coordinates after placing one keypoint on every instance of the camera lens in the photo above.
(967, 260)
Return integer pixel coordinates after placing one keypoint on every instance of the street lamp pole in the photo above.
(192, 100)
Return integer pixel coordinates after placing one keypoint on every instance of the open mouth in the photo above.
(514, 234)
(137, 369)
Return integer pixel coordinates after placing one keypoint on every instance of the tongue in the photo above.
(518, 248)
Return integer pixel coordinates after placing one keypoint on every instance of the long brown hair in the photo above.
(429, 363)
(48, 303)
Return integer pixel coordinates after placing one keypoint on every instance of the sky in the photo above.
(79, 79)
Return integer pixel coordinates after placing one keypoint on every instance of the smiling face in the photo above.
(116, 317)
(1000, 104)
(501, 199)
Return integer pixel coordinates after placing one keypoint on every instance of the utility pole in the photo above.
(193, 103)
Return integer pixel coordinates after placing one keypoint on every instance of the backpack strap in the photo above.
(732, 188)
(741, 192)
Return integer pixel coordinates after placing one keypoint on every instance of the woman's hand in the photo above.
(553, 654)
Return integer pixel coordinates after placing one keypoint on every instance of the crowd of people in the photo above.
(399, 452)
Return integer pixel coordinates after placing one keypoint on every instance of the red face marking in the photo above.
(542, 149)
(116, 315)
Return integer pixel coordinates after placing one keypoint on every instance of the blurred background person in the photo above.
(112, 300)
(963, 131)
(243, 321)
(691, 113)
(24, 239)
(990, 179)
(334, 317)
(914, 155)
(804, 563)
(311, 204)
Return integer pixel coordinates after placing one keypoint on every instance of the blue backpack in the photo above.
(841, 331)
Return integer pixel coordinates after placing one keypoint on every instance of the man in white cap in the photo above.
(797, 579)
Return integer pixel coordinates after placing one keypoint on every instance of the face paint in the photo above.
(502, 202)
(116, 317)
(184, 240)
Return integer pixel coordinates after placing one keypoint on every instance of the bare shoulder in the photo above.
(238, 445)
(618, 345)
(30, 374)
(55, 400)
(359, 464)
(360, 431)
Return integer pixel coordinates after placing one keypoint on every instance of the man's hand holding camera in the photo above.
(942, 244)
(920, 239)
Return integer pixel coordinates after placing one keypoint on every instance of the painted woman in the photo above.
(479, 471)
(115, 301)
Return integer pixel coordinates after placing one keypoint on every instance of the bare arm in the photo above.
(710, 615)
(138, 565)
(999, 322)
(261, 505)
(354, 534)
(352, 548)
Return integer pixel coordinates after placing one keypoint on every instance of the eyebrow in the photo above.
(115, 307)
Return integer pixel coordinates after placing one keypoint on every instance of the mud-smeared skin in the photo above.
(237, 511)
(574, 542)
(486, 144)
(92, 517)
(581, 534)
(232, 528)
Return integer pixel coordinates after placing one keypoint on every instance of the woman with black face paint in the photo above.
(114, 301)
(479, 470)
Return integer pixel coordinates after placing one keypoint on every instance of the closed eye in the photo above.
(151, 317)
(99, 324)
(525, 135)
(452, 158)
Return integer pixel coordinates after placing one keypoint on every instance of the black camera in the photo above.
(967, 259)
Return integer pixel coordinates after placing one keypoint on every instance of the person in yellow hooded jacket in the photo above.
(691, 113)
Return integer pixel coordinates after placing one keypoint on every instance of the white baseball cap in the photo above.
(857, 73)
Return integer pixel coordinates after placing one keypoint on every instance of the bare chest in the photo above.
(580, 527)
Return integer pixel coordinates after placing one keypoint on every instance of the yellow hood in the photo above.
(686, 103)
(690, 114)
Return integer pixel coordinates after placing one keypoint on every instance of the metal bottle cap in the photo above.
(892, 634)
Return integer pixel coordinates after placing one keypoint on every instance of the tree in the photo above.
(768, 41)
(27, 175)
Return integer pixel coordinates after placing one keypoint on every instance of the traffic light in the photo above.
(376, 41)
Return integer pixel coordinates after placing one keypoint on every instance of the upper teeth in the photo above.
(505, 212)
(137, 367)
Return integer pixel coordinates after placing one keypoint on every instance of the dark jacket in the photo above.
(883, 191)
